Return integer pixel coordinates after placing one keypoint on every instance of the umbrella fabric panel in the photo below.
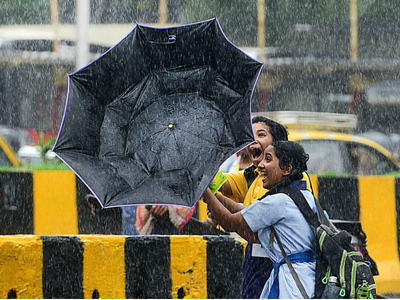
(151, 121)
(144, 50)
(78, 114)
(171, 187)
(101, 177)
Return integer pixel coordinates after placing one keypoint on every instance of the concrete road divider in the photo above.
(52, 203)
(117, 267)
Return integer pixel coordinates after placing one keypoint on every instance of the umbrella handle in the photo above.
(171, 40)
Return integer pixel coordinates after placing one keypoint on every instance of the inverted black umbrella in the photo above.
(152, 119)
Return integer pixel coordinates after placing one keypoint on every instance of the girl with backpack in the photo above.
(283, 164)
(246, 187)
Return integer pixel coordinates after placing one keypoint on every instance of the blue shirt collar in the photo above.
(299, 184)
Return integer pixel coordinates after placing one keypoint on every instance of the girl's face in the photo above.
(263, 139)
(269, 166)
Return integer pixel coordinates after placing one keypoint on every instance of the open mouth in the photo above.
(256, 153)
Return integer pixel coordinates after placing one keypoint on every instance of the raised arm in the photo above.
(226, 188)
(231, 205)
(229, 221)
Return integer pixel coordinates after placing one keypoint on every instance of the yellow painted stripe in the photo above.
(104, 266)
(21, 266)
(55, 208)
(314, 182)
(378, 218)
(202, 209)
(244, 243)
(189, 266)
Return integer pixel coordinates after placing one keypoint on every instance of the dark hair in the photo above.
(277, 130)
(290, 154)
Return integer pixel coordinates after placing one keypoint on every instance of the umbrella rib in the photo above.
(157, 132)
(176, 142)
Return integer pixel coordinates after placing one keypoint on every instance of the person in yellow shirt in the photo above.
(246, 187)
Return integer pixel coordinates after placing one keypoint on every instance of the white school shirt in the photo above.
(296, 235)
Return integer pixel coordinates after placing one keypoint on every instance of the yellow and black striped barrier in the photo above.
(47, 203)
(118, 267)
(50, 203)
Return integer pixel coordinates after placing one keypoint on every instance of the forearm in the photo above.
(231, 205)
(226, 188)
(229, 221)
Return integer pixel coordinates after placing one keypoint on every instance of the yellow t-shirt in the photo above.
(241, 193)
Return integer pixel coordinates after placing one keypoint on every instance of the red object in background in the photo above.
(263, 99)
(357, 95)
(34, 134)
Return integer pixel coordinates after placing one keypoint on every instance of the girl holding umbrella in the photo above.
(283, 164)
(246, 187)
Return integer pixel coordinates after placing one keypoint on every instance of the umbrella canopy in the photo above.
(152, 119)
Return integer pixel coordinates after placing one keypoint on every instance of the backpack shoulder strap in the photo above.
(298, 198)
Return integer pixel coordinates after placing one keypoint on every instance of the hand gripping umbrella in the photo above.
(153, 118)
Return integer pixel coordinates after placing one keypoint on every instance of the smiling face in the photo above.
(269, 166)
(263, 139)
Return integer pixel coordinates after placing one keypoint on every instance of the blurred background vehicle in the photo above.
(389, 141)
(332, 151)
(26, 143)
(339, 154)
(7, 155)
(16, 137)
(30, 154)
(375, 104)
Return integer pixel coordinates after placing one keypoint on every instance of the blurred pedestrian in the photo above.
(162, 219)
(148, 219)
(156, 219)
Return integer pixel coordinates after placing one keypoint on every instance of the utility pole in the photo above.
(82, 22)
(162, 12)
(356, 79)
(55, 23)
(354, 30)
(261, 37)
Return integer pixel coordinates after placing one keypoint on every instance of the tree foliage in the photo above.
(24, 12)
